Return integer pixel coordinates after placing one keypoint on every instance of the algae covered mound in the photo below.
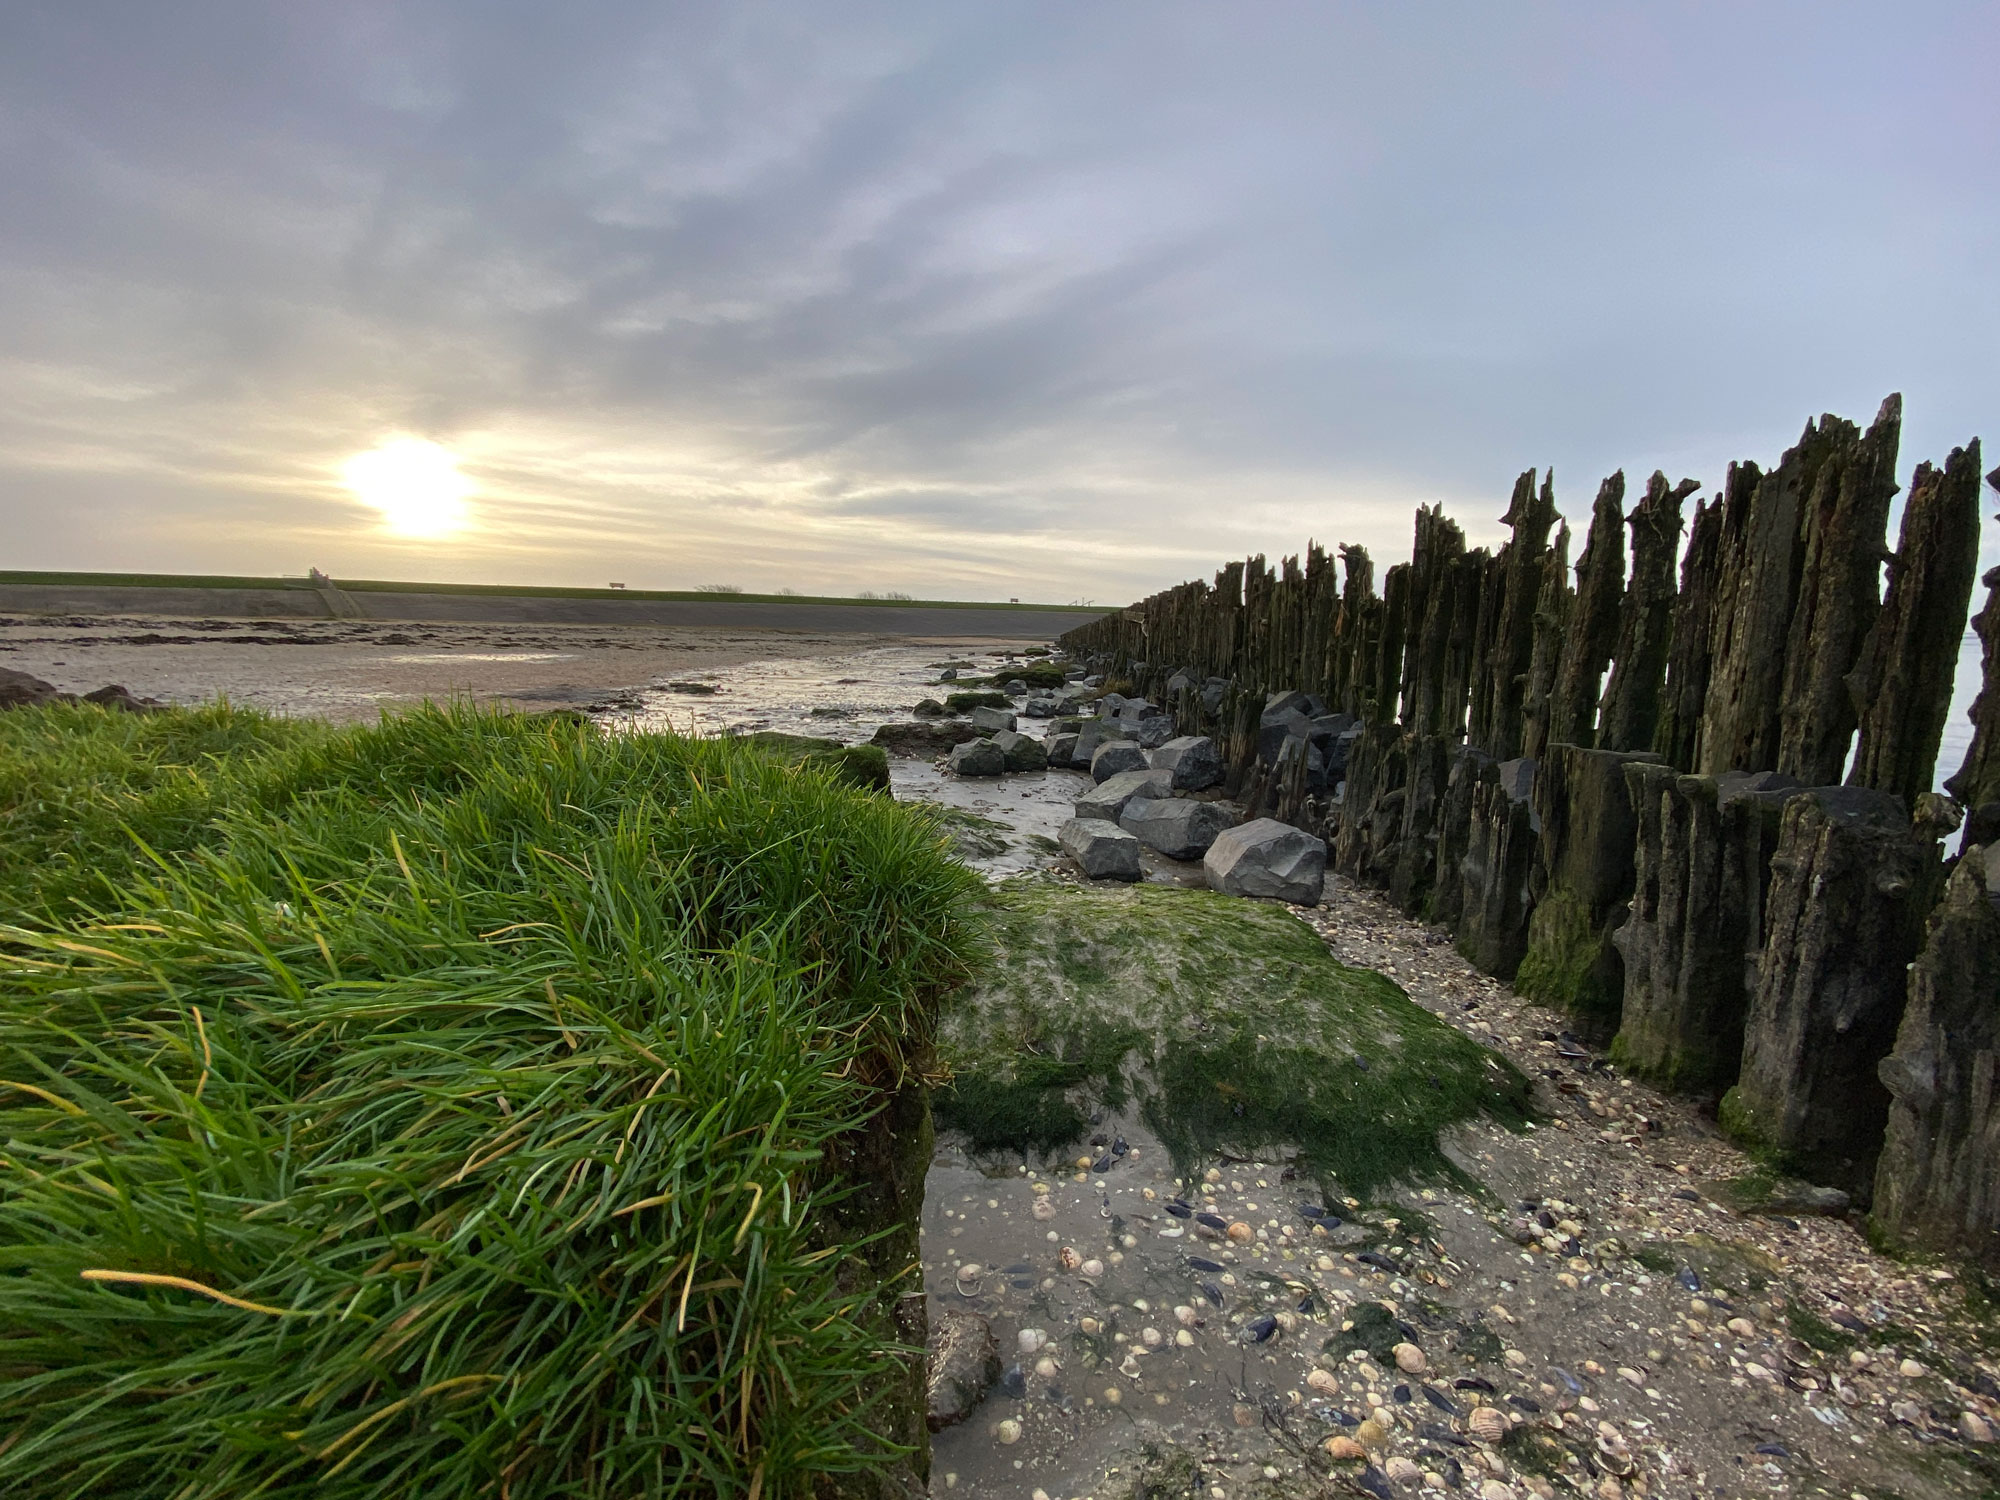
(1226, 1022)
(480, 1105)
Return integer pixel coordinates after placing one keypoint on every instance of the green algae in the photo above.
(1227, 1023)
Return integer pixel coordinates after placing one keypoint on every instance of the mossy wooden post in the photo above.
(1758, 584)
(1593, 626)
(1552, 624)
(1976, 783)
(1532, 516)
(1413, 853)
(1902, 682)
(1852, 882)
(1454, 832)
(1583, 880)
(1693, 631)
(1701, 871)
(1843, 532)
(1630, 712)
(1937, 1187)
(1492, 929)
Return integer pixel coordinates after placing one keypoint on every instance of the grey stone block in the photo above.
(1114, 756)
(1022, 753)
(1101, 849)
(1108, 798)
(1192, 758)
(992, 720)
(1177, 827)
(1267, 859)
(977, 758)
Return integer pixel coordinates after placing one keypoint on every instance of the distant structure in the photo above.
(317, 579)
(614, 585)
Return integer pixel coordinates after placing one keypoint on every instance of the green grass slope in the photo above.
(455, 1113)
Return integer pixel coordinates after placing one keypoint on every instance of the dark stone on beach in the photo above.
(929, 708)
(991, 720)
(1061, 749)
(1175, 826)
(1108, 798)
(962, 1361)
(19, 690)
(1193, 760)
(924, 739)
(117, 697)
(1101, 849)
(1020, 752)
(1269, 860)
(1115, 756)
(977, 758)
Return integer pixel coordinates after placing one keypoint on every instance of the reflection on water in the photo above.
(421, 656)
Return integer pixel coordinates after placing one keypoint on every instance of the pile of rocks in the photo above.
(20, 690)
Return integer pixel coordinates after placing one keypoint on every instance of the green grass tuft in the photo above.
(529, 1085)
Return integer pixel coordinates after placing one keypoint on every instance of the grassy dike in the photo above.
(468, 1105)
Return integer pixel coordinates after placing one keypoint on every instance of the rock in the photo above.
(924, 739)
(1975, 1428)
(1014, 687)
(1108, 798)
(19, 690)
(116, 697)
(1114, 756)
(1089, 735)
(1009, 1431)
(1020, 752)
(1269, 860)
(1275, 728)
(1101, 849)
(949, 674)
(929, 708)
(977, 758)
(992, 720)
(1937, 1186)
(962, 1359)
(1851, 884)
(1193, 759)
(1178, 828)
(1410, 1359)
(1061, 749)
(1041, 707)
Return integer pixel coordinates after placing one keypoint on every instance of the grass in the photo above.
(1226, 1022)
(84, 790)
(473, 1105)
(1036, 674)
(865, 766)
(532, 591)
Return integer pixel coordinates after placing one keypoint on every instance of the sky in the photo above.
(965, 300)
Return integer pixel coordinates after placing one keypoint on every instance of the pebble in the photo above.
(1183, 1338)
(1743, 1328)
(1009, 1430)
(1758, 1372)
(1185, 1316)
(1031, 1340)
(1044, 1209)
(1046, 1367)
(1909, 1369)
(1975, 1428)
(1410, 1359)
(1241, 1233)
(1113, 1395)
(1630, 1376)
(1493, 1489)
(1150, 1337)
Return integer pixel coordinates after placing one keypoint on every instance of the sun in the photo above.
(416, 485)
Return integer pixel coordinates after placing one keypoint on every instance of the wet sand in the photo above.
(348, 670)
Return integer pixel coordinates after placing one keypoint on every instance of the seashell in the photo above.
(1031, 1340)
(1009, 1431)
(1486, 1424)
(1068, 1258)
(1093, 1268)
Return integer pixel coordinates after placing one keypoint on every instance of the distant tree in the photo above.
(718, 588)
(895, 594)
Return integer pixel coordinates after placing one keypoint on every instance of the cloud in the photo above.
(1039, 300)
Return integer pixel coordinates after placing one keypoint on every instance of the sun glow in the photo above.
(414, 483)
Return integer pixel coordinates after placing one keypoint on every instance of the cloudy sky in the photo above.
(963, 299)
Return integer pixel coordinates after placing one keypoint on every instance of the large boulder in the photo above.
(962, 1359)
(1061, 749)
(1022, 753)
(1101, 849)
(1193, 760)
(1267, 859)
(1275, 728)
(924, 739)
(1091, 733)
(19, 689)
(1108, 798)
(992, 720)
(1177, 827)
(977, 758)
(1040, 706)
(1114, 756)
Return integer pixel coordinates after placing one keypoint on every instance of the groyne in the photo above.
(1693, 809)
